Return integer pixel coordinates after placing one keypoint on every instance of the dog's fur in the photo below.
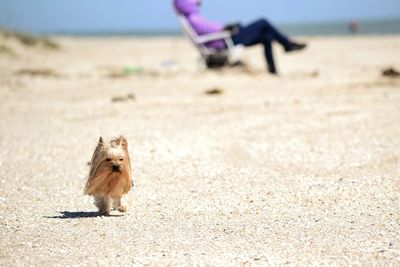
(110, 175)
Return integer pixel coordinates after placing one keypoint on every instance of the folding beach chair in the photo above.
(231, 54)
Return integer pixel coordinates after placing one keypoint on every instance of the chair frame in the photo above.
(199, 41)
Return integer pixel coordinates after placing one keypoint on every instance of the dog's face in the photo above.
(114, 155)
(114, 158)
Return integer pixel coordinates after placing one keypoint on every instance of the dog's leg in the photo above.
(103, 203)
(98, 201)
(118, 205)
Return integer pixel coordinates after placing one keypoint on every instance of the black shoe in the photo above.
(272, 71)
(295, 47)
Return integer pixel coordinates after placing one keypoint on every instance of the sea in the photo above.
(377, 27)
(340, 28)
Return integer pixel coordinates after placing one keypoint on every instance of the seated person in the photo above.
(257, 32)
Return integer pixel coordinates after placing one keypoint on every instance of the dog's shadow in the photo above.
(79, 215)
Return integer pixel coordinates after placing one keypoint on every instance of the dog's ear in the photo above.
(122, 141)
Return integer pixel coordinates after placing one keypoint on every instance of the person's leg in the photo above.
(254, 34)
(287, 44)
(249, 35)
(272, 31)
(269, 56)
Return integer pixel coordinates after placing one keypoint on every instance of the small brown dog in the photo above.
(110, 175)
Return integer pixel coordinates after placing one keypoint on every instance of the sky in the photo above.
(47, 16)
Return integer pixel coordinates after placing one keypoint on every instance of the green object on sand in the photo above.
(132, 70)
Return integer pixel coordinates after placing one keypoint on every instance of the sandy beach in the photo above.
(300, 169)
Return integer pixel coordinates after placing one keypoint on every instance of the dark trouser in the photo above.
(262, 32)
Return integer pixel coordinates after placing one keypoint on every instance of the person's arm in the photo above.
(204, 26)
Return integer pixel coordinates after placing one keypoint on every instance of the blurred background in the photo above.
(103, 17)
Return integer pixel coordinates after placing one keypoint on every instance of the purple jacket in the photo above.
(190, 9)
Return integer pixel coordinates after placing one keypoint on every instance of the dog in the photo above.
(110, 176)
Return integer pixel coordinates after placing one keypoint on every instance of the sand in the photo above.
(300, 169)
